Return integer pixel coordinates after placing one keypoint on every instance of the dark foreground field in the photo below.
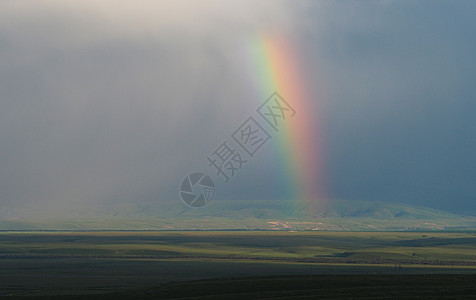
(301, 287)
(159, 265)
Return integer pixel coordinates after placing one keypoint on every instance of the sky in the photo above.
(118, 101)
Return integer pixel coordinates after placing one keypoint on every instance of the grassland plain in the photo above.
(252, 223)
(46, 263)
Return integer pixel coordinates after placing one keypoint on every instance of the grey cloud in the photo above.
(118, 101)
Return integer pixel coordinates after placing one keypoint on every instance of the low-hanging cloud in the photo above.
(101, 100)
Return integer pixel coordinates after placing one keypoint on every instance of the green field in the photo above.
(46, 263)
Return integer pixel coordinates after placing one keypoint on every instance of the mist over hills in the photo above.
(269, 209)
(238, 215)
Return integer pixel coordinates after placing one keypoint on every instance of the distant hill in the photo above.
(233, 215)
(268, 209)
(382, 210)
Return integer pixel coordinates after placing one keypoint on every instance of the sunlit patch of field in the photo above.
(74, 262)
(428, 248)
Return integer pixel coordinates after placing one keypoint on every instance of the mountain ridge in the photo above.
(240, 215)
(239, 209)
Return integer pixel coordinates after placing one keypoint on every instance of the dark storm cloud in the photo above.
(400, 112)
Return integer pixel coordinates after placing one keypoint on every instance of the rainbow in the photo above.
(276, 68)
